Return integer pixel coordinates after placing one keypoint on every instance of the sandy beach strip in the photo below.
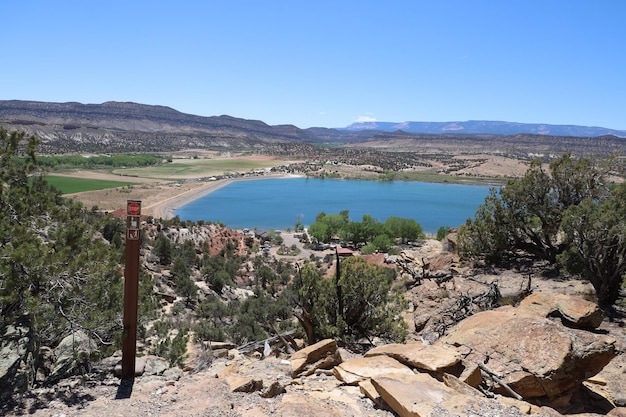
(165, 209)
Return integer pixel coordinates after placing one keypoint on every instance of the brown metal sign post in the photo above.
(131, 288)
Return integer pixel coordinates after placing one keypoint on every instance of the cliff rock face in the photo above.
(18, 353)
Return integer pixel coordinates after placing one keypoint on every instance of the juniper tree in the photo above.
(566, 216)
(595, 231)
(526, 213)
(52, 269)
(368, 306)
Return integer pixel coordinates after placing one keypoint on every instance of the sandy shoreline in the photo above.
(165, 208)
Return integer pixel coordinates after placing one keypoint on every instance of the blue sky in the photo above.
(326, 63)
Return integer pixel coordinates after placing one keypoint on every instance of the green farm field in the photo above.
(195, 168)
(71, 185)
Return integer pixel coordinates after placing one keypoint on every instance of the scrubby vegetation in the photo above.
(570, 216)
(357, 304)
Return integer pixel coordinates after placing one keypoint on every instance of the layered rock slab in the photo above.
(534, 355)
(357, 370)
(433, 358)
(321, 355)
(576, 311)
(420, 395)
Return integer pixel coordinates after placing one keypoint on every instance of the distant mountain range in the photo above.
(485, 127)
(148, 118)
(136, 117)
(132, 127)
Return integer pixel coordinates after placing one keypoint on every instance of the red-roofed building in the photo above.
(345, 252)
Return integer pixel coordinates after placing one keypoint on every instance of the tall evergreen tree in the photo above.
(163, 249)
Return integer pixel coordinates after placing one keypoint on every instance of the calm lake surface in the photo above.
(279, 203)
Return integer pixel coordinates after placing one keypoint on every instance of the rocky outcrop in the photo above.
(356, 370)
(427, 358)
(574, 311)
(321, 355)
(420, 395)
(239, 383)
(610, 383)
(73, 354)
(412, 379)
(523, 351)
(409, 392)
(443, 293)
(535, 356)
(17, 358)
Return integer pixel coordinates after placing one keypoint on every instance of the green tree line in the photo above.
(90, 162)
(369, 232)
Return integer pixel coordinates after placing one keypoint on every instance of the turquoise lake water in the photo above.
(279, 203)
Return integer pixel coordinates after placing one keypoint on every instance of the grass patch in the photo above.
(70, 185)
(194, 168)
(425, 176)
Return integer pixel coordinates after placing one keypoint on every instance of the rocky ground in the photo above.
(215, 392)
(569, 343)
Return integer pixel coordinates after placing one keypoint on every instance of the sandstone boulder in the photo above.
(321, 355)
(610, 383)
(155, 365)
(433, 358)
(471, 374)
(460, 386)
(356, 370)
(535, 356)
(239, 383)
(420, 395)
(275, 389)
(140, 366)
(367, 388)
(173, 374)
(574, 310)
